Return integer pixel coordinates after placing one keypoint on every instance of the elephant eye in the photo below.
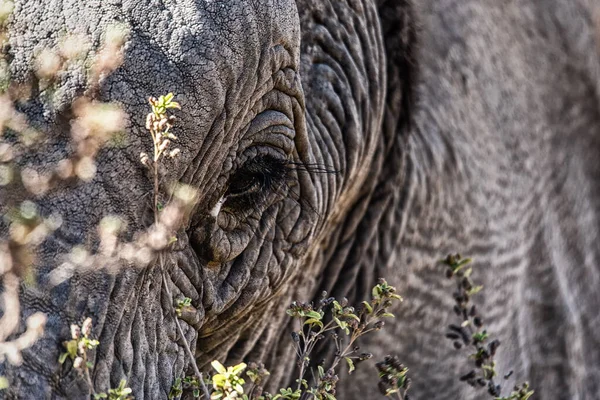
(259, 175)
(245, 182)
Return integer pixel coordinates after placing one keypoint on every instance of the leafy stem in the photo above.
(472, 333)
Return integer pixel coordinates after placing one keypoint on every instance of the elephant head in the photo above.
(315, 170)
(280, 134)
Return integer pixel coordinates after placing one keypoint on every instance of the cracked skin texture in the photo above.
(497, 158)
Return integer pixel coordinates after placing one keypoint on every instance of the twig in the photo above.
(180, 331)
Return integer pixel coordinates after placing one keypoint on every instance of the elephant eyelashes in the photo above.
(252, 184)
(257, 176)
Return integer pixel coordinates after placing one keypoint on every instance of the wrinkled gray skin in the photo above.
(498, 158)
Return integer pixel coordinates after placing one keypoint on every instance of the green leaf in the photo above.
(376, 292)
(3, 383)
(368, 307)
(72, 348)
(218, 380)
(388, 315)
(218, 367)
(340, 323)
(352, 316)
(238, 368)
(63, 358)
(401, 381)
(350, 364)
(314, 321)
(475, 290)
(314, 314)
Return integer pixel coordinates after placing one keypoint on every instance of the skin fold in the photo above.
(394, 134)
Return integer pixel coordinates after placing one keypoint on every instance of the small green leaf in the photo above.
(350, 364)
(475, 290)
(368, 307)
(314, 314)
(63, 358)
(313, 321)
(3, 383)
(72, 348)
(238, 368)
(337, 306)
(218, 367)
(352, 316)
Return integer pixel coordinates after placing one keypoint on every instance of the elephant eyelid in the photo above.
(259, 175)
(267, 174)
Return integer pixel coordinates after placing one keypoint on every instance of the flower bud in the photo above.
(86, 327)
(75, 332)
(144, 159)
(149, 121)
(162, 124)
(78, 363)
(164, 145)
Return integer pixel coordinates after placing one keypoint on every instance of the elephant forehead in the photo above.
(216, 35)
(212, 52)
(216, 56)
(213, 55)
(200, 49)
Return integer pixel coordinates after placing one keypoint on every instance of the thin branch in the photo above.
(180, 331)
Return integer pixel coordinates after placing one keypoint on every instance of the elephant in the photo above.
(332, 142)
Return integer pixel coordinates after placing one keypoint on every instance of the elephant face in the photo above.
(315, 170)
(280, 122)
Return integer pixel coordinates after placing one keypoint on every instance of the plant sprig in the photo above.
(393, 378)
(345, 326)
(472, 333)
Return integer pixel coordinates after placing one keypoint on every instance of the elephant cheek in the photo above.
(214, 246)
